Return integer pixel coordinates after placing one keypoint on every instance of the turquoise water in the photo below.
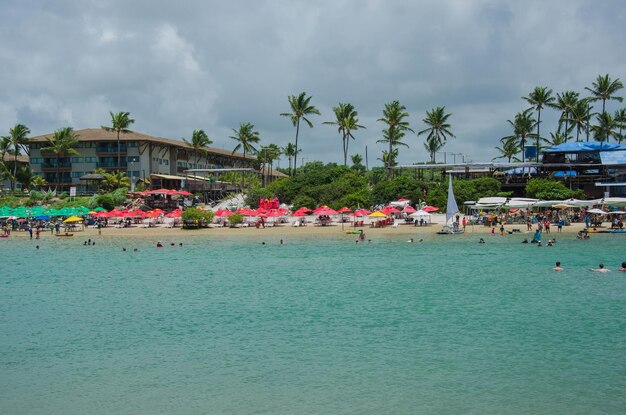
(315, 326)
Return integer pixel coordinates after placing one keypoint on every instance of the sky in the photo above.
(211, 65)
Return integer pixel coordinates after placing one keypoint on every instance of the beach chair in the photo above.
(296, 224)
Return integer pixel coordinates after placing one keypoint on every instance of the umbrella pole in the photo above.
(342, 221)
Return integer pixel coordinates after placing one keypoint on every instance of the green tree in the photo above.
(199, 142)
(346, 121)
(565, 102)
(551, 190)
(357, 162)
(579, 116)
(620, 122)
(62, 143)
(246, 136)
(509, 149)
(605, 127)
(18, 139)
(557, 138)
(394, 115)
(300, 108)
(38, 182)
(539, 97)
(604, 89)
(114, 180)
(438, 130)
(119, 123)
(523, 125)
(267, 155)
(290, 151)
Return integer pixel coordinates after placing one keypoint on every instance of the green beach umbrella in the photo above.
(99, 209)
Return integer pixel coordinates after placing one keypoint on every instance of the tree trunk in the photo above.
(295, 157)
(538, 135)
(118, 158)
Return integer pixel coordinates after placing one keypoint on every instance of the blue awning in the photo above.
(578, 147)
(522, 170)
(569, 173)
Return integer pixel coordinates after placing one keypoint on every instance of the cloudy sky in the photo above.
(177, 66)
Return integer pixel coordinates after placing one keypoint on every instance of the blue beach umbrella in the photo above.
(43, 217)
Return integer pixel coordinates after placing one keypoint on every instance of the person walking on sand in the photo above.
(37, 231)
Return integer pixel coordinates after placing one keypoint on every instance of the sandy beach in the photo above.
(287, 230)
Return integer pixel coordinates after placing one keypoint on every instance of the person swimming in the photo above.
(600, 269)
(410, 241)
(159, 244)
(558, 266)
(525, 241)
(481, 241)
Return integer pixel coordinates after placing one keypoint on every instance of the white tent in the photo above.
(613, 201)
(597, 211)
(420, 214)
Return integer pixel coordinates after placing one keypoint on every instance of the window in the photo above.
(77, 174)
(77, 159)
(132, 144)
(166, 162)
(133, 159)
(35, 160)
(91, 159)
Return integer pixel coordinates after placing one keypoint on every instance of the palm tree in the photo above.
(523, 125)
(605, 127)
(538, 98)
(114, 180)
(300, 108)
(432, 147)
(119, 123)
(620, 122)
(245, 136)
(199, 141)
(357, 162)
(18, 140)
(579, 116)
(604, 89)
(38, 182)
(290, 151)
(389, 158)
(62, 143)
(346, 121)
(509, 149)
(564, 103)
(438, 130)
(557, 138)
(394, 114)
(5, 148)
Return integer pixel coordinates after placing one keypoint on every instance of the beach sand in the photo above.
(287, 230)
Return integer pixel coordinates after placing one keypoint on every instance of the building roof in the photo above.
(584, 146)
(20, 158)
(100, 134)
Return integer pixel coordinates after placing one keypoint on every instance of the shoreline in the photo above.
(287, 230)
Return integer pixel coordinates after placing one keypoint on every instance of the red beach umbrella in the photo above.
(344, 210)
(324, 210)
(174, 213)
(430, 209)
(409, 209)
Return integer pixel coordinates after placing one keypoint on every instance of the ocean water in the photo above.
(314, 326)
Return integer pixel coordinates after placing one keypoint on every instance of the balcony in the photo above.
(111, 165)
(54, 167)
(110, 150)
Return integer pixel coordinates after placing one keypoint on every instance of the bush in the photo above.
(547, 189)
(198, 215)
(235, 219)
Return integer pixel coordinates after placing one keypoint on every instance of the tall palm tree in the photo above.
(394, 114)
(199, 141)
(5, 148)
(538, 98)
(579, 116)
(62, 143)
(246, 136)
(604, 89)
(564, 103)
(18, 138)
(300, 108)
(620, 122)
(346, 121)
(523, 125)
(290, 151)
(267, 155)
(605, 127)
(438, 130)
(119, 123)
(509, 149)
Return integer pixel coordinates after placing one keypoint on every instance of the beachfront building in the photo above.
(162, 162)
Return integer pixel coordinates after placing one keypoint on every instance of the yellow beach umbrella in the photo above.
(377, 214)
(562, 206)
(72, 219)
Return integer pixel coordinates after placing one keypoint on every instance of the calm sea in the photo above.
(314, 326)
